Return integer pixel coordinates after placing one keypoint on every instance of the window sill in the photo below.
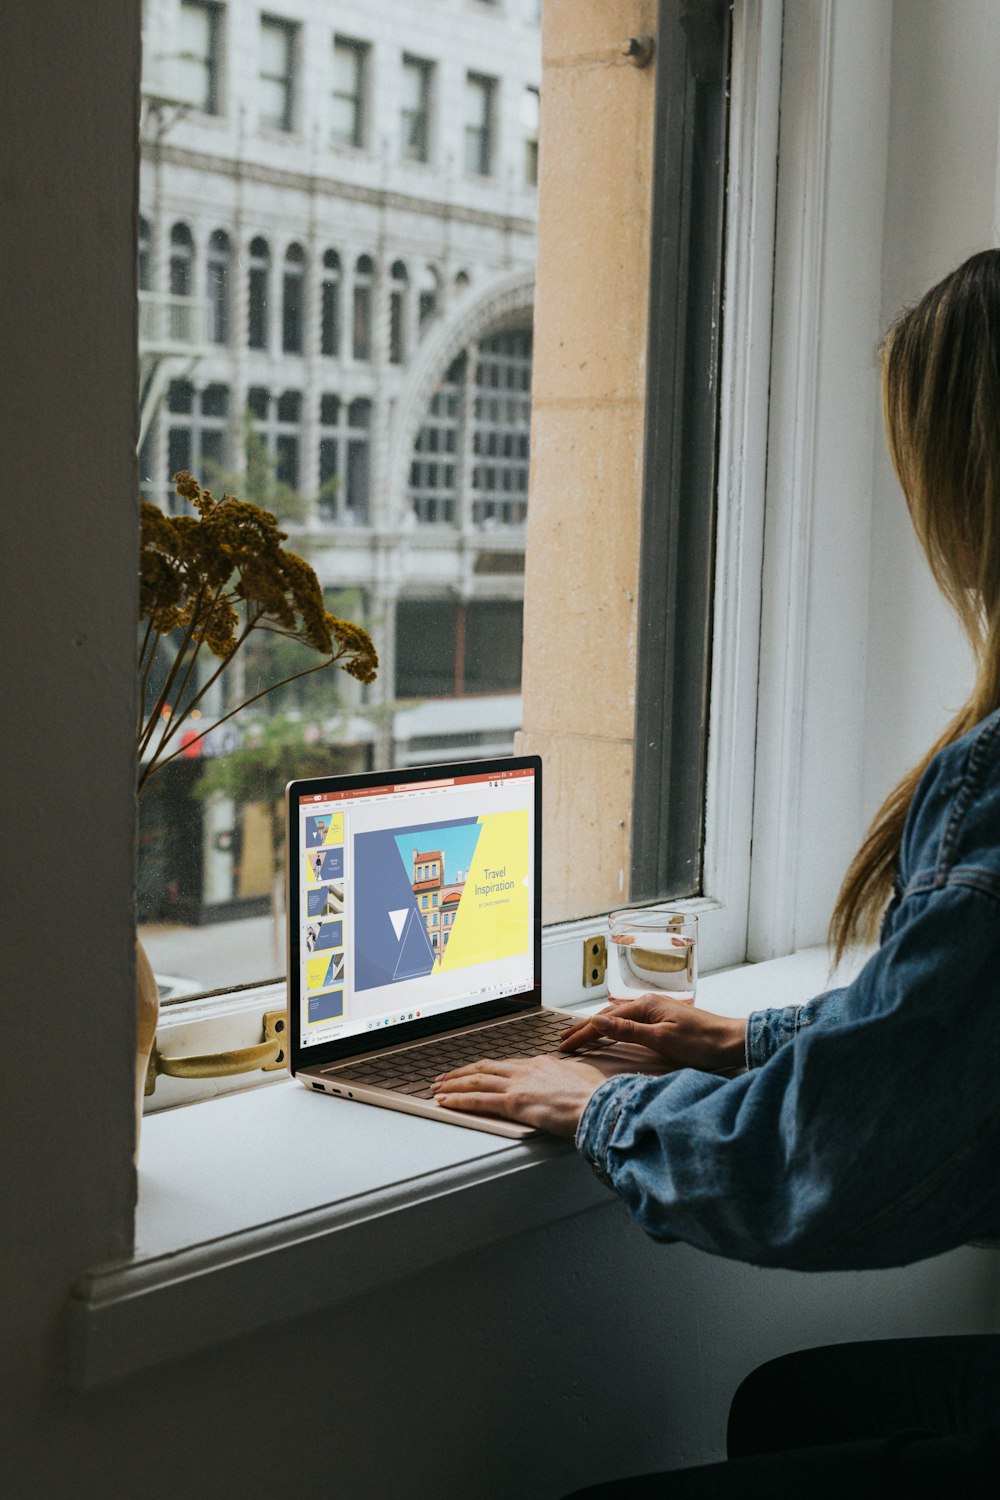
(297, 1205)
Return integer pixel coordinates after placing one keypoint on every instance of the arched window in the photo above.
(259, 275)
(329, 331)
(501, 421)
(482, 407)
(293, 300)
(364, 272)
(217, 267)
(144, 256)
(430, 291)
(181, 274)
(433, 466)
(181, 260)
(397, 313)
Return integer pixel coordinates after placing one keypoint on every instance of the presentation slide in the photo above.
(437, 897)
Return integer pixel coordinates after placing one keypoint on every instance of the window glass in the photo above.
(361, 341)
(258, 277)
(479, 96)
(415, 109)
(293, 300)
(347, 119)
(277, 61)
(530, 116)
(196, 58)
(217, 268)
(329, 339)
(289, 317)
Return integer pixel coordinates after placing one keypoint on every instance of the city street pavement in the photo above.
(216, 954)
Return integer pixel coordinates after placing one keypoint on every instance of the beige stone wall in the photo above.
(586, 443)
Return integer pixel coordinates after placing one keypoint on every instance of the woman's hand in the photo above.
(548, 1092)
(680, 1035)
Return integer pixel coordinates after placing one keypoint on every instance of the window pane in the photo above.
(493, 634)
(347, 100)
(277, 41)
(196, 61)
(425, 648)
(281, 384)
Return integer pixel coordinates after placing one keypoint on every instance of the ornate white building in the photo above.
(336, 247)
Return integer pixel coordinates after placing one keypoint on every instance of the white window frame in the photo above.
(723, 911)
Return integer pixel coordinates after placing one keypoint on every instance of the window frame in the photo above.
(290, 32)
(212, 62)
(361, 53)
(423, 69)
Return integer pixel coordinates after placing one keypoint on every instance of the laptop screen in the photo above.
(413, 901)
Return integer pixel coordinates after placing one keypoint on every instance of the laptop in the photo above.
(415, 932)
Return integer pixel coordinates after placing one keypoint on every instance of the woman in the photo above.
(866, 1128)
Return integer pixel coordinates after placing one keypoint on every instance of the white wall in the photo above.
(941, 206)
(555, 1357)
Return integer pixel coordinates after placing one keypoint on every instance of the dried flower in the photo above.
(215, 577)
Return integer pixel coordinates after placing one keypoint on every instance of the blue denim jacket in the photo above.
(866, 1131)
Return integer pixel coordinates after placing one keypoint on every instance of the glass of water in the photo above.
(654, 949)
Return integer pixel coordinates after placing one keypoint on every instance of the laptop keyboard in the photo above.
(412, 1070)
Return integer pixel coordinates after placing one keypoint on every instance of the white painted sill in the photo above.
(273, 1203)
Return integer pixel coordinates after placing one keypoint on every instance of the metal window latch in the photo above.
(267, 1055)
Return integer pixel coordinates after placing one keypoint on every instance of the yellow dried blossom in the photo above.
(221, 573)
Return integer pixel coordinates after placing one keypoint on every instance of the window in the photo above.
(428, 295)
(415, 134)
(329, 333)
(197, 61)
(350, 69)
(397, 313)
(278, 421)
(530, 107)
(344, 460)
(217, 265)
(287, 438)
(278, 41)
(258, 279)
(501, 424)
(477, 426)
(145, 269)
(479, 106)
(181, 283)
(447, 648)
(433, 486)
(361, 341)
(197, 430)
(292, 300)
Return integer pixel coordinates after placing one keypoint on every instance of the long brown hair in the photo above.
(941, 407)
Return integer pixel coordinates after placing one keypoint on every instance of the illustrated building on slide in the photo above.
(437, 901)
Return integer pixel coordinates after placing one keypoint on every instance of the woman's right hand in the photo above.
(680, 1035)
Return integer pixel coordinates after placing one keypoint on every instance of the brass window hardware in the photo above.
(595, 961)
(268, 1055)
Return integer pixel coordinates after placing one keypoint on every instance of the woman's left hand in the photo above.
(548, 1092)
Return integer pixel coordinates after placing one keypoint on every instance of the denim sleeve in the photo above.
(767, 1030)
(871, 1140)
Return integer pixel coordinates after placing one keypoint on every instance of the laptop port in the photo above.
(320, 1087)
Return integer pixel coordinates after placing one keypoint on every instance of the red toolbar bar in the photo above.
(413, 786)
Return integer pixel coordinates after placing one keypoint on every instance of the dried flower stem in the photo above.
(155, 765)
